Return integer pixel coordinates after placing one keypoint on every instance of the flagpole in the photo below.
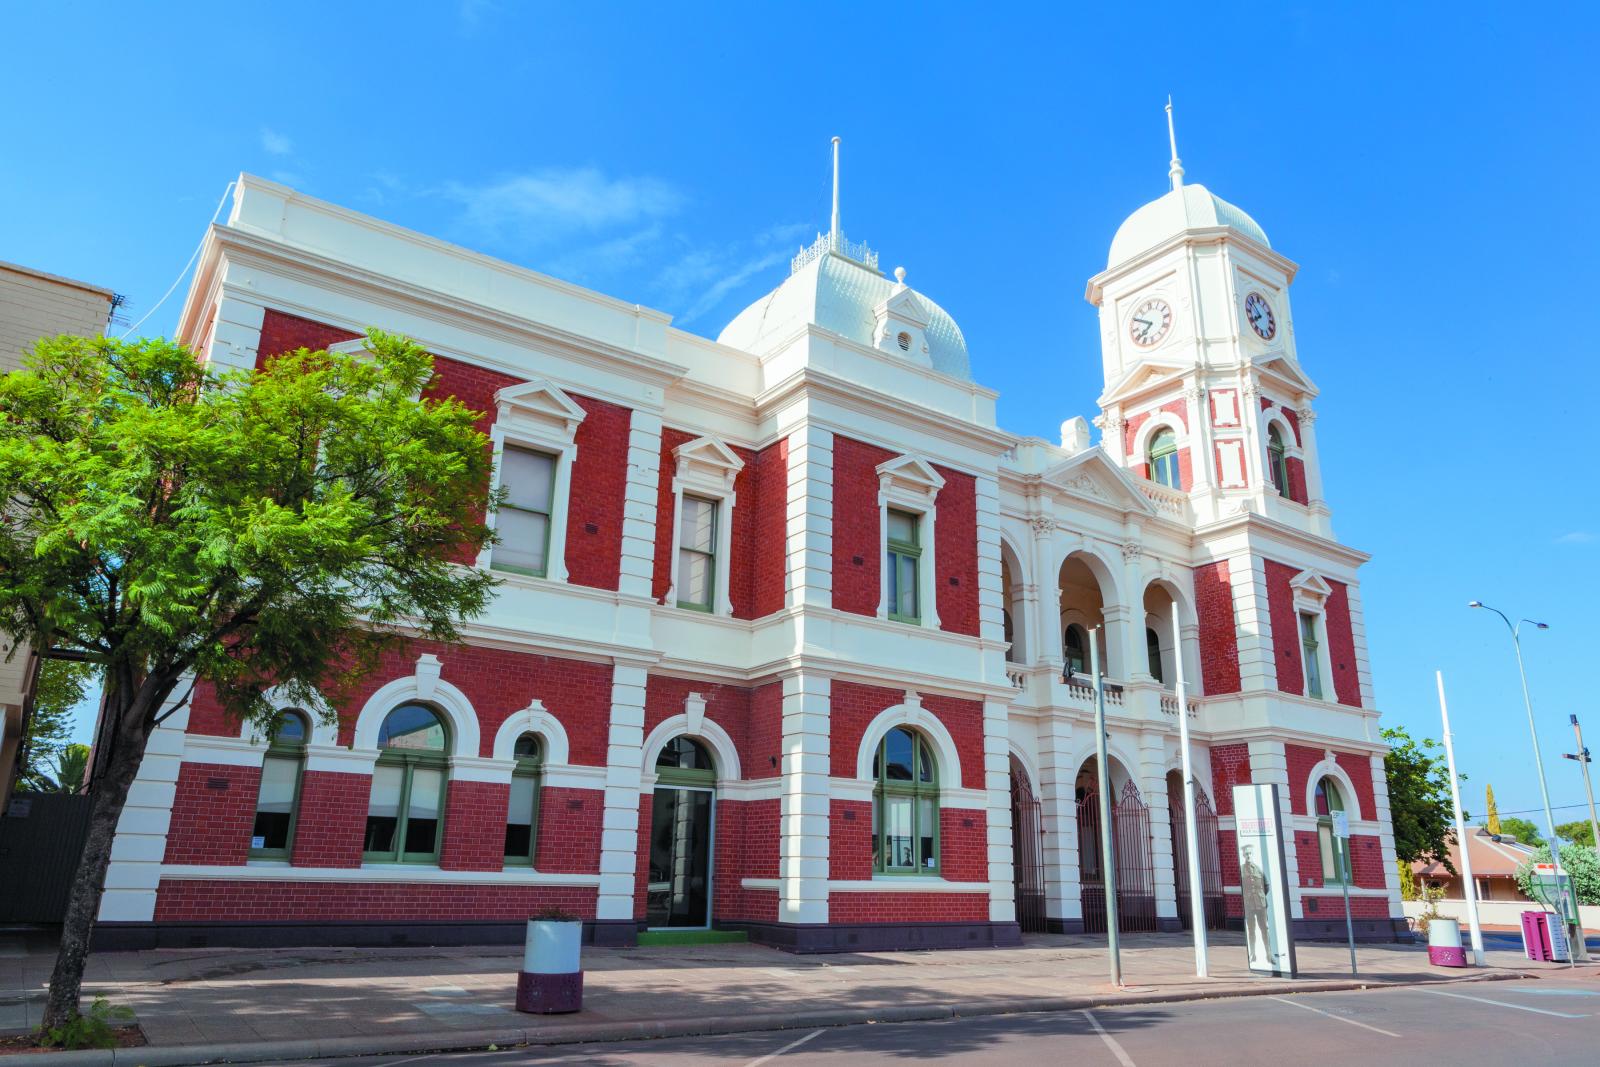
(1461, 831)
(1197, 909)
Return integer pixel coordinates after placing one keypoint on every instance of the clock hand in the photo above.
(1144, 322)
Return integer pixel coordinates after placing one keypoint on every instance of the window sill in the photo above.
(372, 873)
(906, 884)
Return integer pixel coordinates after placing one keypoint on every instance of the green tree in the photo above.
(1419, 798)
(1521, 829)
(59, 686)
(72, 767)
(1580, 832)
(1578, 862)
(175, 526)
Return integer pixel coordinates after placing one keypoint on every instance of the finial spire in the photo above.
(1175, 172)
(833, 227)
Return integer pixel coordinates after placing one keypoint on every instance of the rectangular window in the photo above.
(523, 521)
(383, 809)
(1333, 860)
(697, 553)
(904, 558)
(1309, 654)
(521, 819)
(274, 825)
(405, 812)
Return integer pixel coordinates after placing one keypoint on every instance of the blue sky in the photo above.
(1431, 170)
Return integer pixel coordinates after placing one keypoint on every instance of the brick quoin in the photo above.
(223, 900)
(332, 822)
(907, 907)
(857, 542)
(570, 824)
(854, 706)
(1342, 644)
(599, 483)
(474, 826)
(1285, 627)
(1230, 766)
(956, 552)
(1219, 634)
(213, 812)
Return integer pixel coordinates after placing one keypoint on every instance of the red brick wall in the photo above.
(1230, 766)
(666, 514)
(1295, 468)
(849, 840)
(474, 826)
(1332, 907)
(641, 868)
(1228, 852)
(1285, 627)
(255, 901)
(1308, 855)
(853, 706)
(956, 552)
(1359, 768)
(1293, 419)
(599, 482)
(762, 753)
(1219, 634)
(282, 332)
(729, 706)
(857, 543)
(907, 907)
(333, 819)
(1300, 760)
(769, 534)
(963, 844)
(213, 812)
(1342, 645)
(747, 847)
(1366, 861)
(570, 823)
(1140, 463)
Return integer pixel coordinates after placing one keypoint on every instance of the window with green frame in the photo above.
(405, 815)
(522, 813)
(1310, 649)
(522, 522)
(905, 805)
(1276, 460)
(904, 562)
(1164, 459)
(697, 552)
(272, 835)
(1335, 859)
(685, 761)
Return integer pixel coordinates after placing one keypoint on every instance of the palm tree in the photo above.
(72, 766)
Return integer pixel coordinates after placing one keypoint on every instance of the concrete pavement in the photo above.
(300, 1003)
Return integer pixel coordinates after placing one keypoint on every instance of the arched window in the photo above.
(905, 805)
(1335, 861)
(1075, 646)
(1152, 648)
(1164, 459)
(522, 814)
(272, 836)
(685, 761)
(1276, 463)
(405, 815)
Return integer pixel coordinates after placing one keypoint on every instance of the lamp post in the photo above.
(1538, 762)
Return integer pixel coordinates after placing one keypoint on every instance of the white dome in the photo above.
(1189, 207)
(839, 294)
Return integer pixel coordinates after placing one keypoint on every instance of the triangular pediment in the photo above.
(540, 400)
(1144, 376)
(912, 472)
(1311, 585)
(1285, 373)
(1091, 474)
(903, 305)
(709, 452)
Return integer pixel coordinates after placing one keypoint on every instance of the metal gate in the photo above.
(1130, 846)
(1027, 852)
(41, 839)
(1205, 832)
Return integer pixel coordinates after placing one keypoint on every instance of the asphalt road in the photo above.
(1547, 1022)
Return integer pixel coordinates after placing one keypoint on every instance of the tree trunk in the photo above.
(131, 709)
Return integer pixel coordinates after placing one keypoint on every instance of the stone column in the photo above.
(140, 843)
(1382, 813)
(1201, 451)
(1257, 670)
(1058, 809)
(639, 505)
(809, 540)
(619, 835)
(1046, 617)
(1153, 784)
(804, 807)
(997, 780)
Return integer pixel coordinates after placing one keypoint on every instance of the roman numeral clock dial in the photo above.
(1259, 314)
(1150, 322)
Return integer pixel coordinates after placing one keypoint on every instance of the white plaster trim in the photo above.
(1158, 420)
(339, 760)
(909, 483)
(372, 872)
(538, 415)
(907, 884)
(910, 713)
(425, 687)
(533, 719)
(224, 751)
(722, 747)
(573, 776)
(1330, 769)
(706, 468)
(479, 769)
(323, 721)
(748, 789)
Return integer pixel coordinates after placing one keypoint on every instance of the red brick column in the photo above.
(332, 820)
(474, 826)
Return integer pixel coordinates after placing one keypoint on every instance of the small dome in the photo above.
(1189, 207)
(839, 295)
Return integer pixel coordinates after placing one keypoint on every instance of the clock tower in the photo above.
(1204, 394)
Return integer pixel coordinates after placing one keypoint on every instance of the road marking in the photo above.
(1331, 1015)
(1503, 1004)
(791, 1046)
(1111, 1042)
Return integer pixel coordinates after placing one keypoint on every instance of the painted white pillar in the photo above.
(997, 781)
(1383, 813)
(1153, 784)
(619, 834)
(140, 843)
(1046, 618)
(1257, 669)
(1201, 450)
(639, 505)
(809, 539)
(1058, 809)
(804, 806)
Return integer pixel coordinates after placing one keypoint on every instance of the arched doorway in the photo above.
(678, 892)
(1027, 851)
(1130, 848)
(1205, 828)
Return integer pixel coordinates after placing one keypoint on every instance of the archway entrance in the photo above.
(1205, 827)
(1027, 851)
(678, 893)
(1130, 847)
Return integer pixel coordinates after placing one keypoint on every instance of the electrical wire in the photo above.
(183, 273)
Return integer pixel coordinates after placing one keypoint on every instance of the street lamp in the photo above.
(1538, 762)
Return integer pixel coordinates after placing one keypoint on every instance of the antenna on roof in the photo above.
(833, 227)
(1175, 172)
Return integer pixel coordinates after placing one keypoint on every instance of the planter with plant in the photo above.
(551, 981)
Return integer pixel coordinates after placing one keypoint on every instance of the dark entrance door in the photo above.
(1205, 825)
(1130, 849)
(679, 891)
(1027, 858)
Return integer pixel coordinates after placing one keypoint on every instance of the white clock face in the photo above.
(1259, 314)
(1150, 322)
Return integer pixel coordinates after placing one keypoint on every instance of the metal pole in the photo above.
(1108, 859)
(1473, 926)
(1344, 881)
(1583, 761)
(1197, 906)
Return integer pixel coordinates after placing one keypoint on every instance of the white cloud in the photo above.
(608, 257)
(551, 203)
(1576, 537)
(470, 13)
(704, 277)
(275, 143)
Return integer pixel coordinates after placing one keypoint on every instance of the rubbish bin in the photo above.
(1444, 943)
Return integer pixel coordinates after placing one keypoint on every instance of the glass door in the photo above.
(679, 890)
